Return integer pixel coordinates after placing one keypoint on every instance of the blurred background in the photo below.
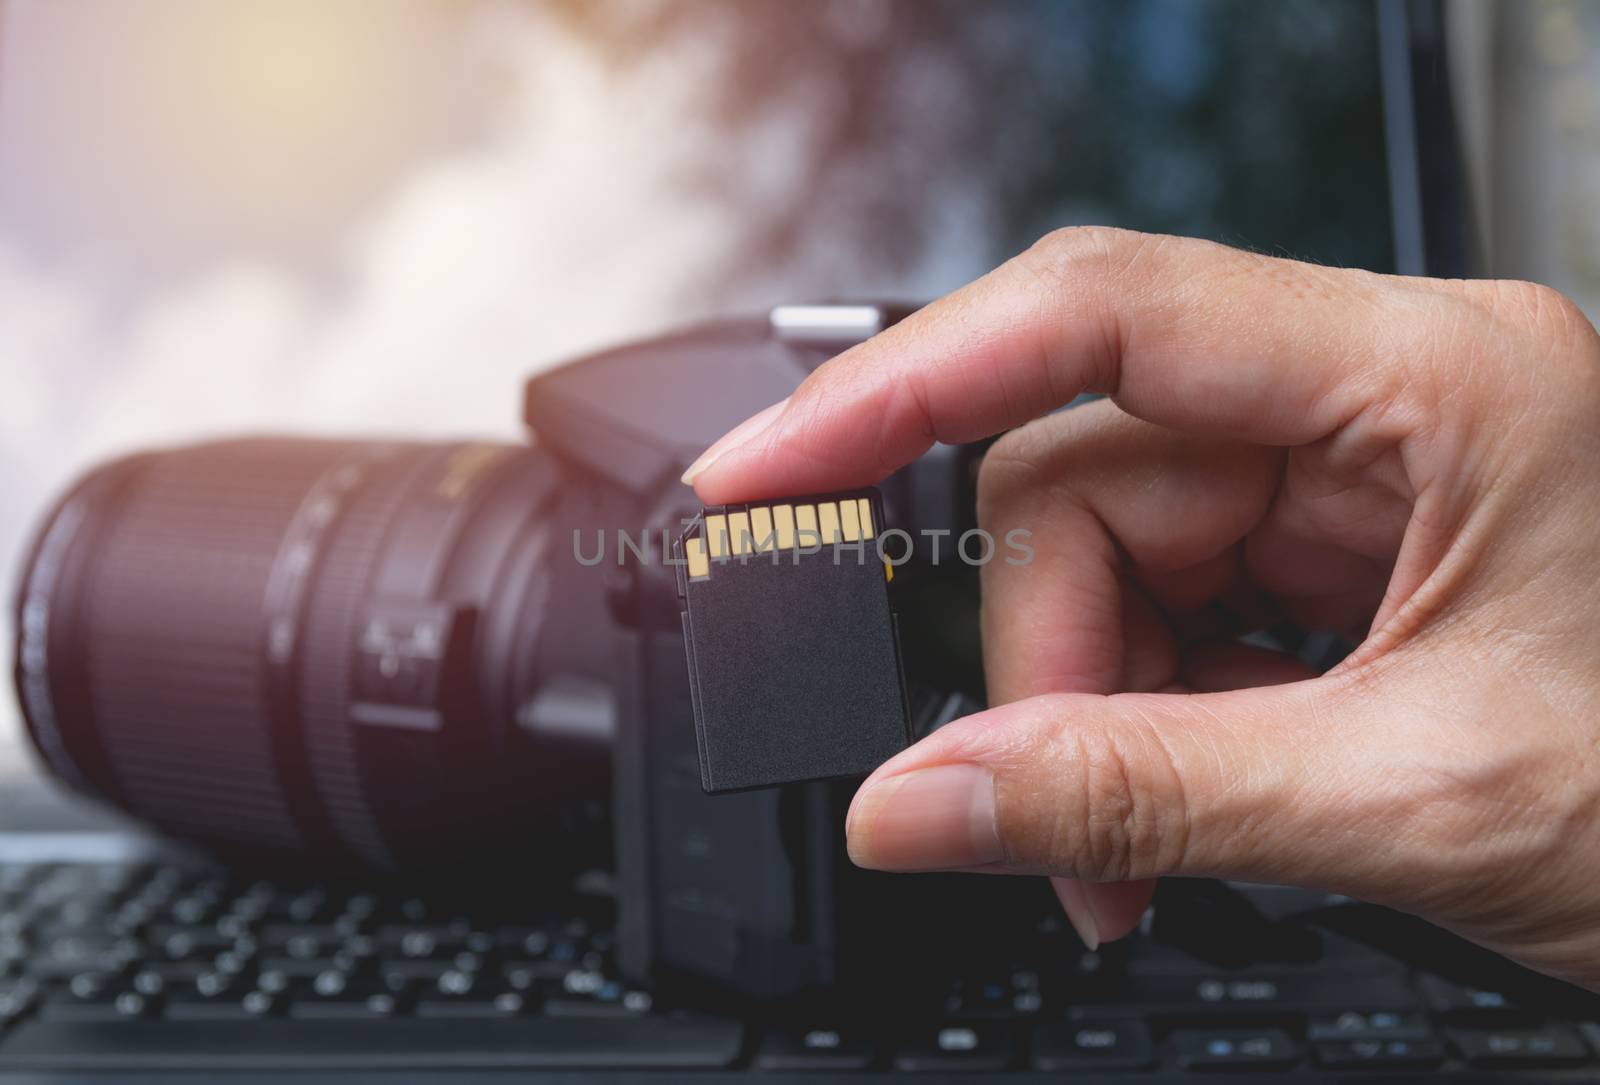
(378, 216)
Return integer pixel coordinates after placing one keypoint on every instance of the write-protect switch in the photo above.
(794, 657)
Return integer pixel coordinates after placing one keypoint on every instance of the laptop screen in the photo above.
(379, 218)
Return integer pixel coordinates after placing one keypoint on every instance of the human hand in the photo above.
(1412, 462)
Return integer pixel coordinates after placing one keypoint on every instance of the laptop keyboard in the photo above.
(106, 966)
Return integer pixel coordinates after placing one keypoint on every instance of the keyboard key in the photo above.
(1443, 996)
(1375, 1025)
(1548, 1045)
(87, 996)
(1265, 1049)
(195, 908)
(300, 947)
(308, 906)
(132, 1004)
(526, 942)
(813, 1049)
(399, 974)
(175, 971)
(295, 967)
(1092, 1045)
(60, 958)
(181, 943)
(527, 975)
(149, 982)
(431, 942)
(276, 936)
(958, 1047)
(1003, 996)
(341, 996)
(371, 1008)
(530, 1043)
(125, 1005)
(467, 994)
(240, 1006)
(1264, 993)
(206, 997)
(1377, 1053)
(505, 1004)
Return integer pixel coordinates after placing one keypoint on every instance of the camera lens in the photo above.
(347, 650)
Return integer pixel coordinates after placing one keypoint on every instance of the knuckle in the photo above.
(1053, 458)
(1532, 315)
(1117, 834)
(1533, 305)
(1086, 262)
(1116, 808)
(1076, 248)
(1010, 470)
(1533, 358)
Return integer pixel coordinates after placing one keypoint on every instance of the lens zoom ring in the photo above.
(174, 639)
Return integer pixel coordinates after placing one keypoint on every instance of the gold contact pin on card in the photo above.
(761, 528)
(783, 526)
(739, 532)
(864, 509)
(849, 521)
(828, 521)
(805, 527)
(717, 536)
(695, 551)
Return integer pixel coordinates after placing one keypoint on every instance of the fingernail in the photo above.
(1080, 913)
(735, 437)
(939, 818)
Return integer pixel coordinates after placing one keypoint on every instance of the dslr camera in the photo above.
(404, 656)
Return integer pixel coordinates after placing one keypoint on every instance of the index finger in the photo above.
(1183, 333)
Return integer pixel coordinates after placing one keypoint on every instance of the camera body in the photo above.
(750, 892)
(402, 655)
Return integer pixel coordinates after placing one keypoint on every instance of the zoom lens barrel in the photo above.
(331, 648)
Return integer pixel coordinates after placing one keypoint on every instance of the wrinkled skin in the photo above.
(1413, 463)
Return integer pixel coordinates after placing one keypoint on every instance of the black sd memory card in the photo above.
(794, 658)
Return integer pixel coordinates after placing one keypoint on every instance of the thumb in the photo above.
(1246, 784)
